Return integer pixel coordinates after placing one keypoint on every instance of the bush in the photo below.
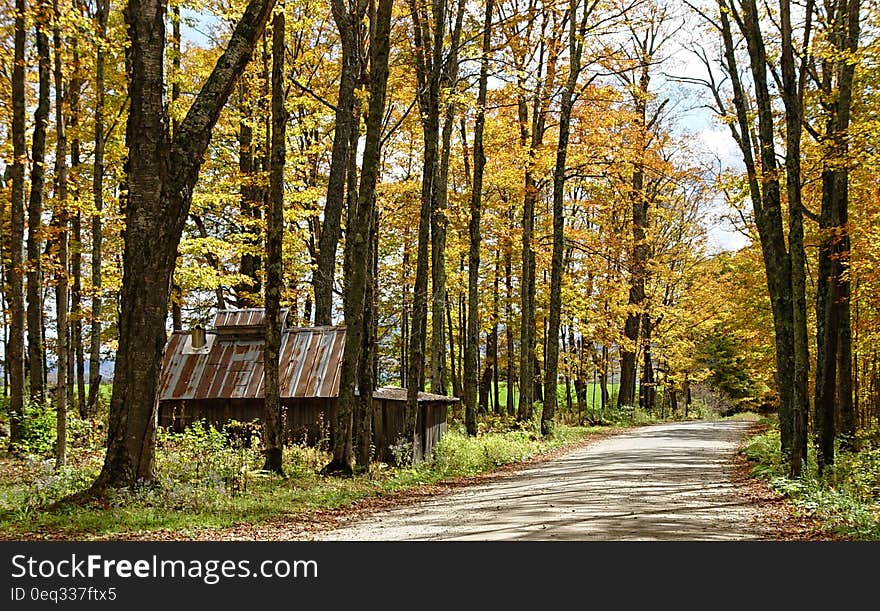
(846, 498)
(765, 451)
(38, 425)
(202, 461)
(458, 454)
(628, 415)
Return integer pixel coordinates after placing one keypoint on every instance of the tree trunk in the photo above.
(404, 309)
(161, 174)
(551, 362)
(528, 371)
(647, 384)
(845, 377)
(492, 347)
(428, 50)
(508, 328)
(36, 374)
(640, 250)
(363, 421)
(471, 369)
(102, 10)
(272, 422)
(438, 218)
(603, 381)
(764, 190)
(61, 278)
(15, 357)
(358, 257)
(833, 338)
(76, 327)
(348, 19)
(792, 95)
(453, 369)
(177, 295)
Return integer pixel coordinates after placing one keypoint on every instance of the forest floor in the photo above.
(677, 481)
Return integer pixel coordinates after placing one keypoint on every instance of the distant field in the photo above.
(593, 402)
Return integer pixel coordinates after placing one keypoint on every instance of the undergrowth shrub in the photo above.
(458, 454)
(37, 428)
(49, 484)
(765, 452)
(627, 415)
(203, 458)
(846, 499)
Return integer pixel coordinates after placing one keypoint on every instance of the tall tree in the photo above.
(161, 174)
(177, 296)
(15, 291)
(274, 444)
(348, 17)
(35, 206)
(357, 246)
(637, 320)
(471, 369)
(531, 135)
(792, 91)
(102, 9)
(448, 84)
(833, 390)
(429, 30)
(61, 275)
(763, 178)
(576, 33)
(76, 313)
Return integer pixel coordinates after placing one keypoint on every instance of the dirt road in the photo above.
(664, 482)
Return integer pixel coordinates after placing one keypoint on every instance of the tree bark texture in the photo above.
(429, 34)
(449, 82)
(272, 422)
(15, 270)
(471, 369)
(357, 246)
(551, 361)
(348, 19)
(833, 389)
(764, 190)
(161, 174)
(61, 277)
(101, 14)
(36, 374)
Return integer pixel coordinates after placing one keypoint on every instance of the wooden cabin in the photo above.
(216, 375)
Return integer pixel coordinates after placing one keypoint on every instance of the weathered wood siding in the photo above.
(307, 421)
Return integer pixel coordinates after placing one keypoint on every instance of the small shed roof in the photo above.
(231, 366)
(244, 320)
(230, 363)
(394, 393)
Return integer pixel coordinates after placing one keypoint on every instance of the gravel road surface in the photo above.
(663, 482)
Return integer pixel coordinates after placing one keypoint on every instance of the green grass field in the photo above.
(593, 403)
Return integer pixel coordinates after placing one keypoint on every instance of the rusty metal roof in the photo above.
(231, 367)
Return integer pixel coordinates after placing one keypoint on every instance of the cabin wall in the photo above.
(307, 421)
(388, 425)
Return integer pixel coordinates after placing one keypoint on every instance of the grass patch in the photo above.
(592, 406)
(846, 499)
